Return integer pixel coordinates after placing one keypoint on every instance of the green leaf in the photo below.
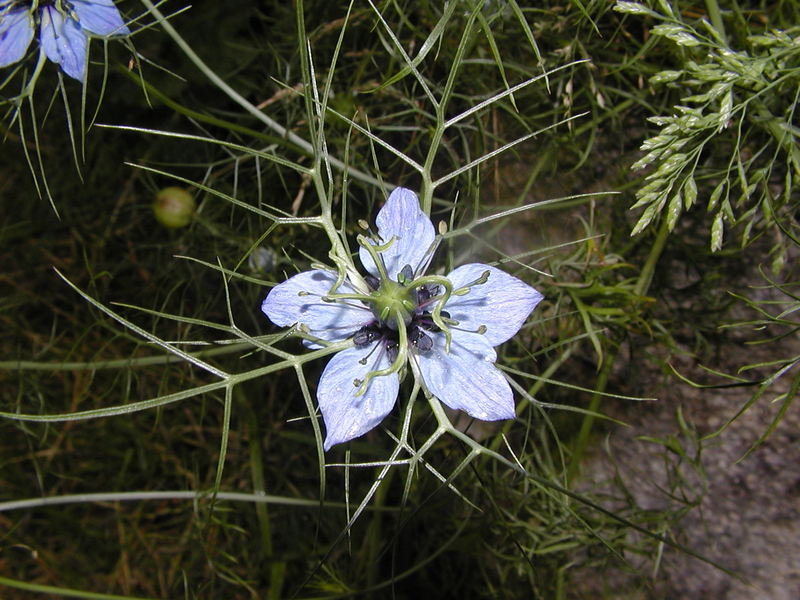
(647, 216)
(689, 193)
(676, 33)
(634, 8)
(428, 45)
(715, 195)
(674, 210)
(725, 109)
(716, 233)
(665, 77)
(656, 141)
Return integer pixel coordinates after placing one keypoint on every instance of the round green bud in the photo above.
(262, 259)
(174, 207)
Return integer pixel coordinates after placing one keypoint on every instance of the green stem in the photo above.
(646, 276)
(532, 391)
(775, 126)
(779, 130)
(588, 419)
(715, 16)
(640, 289)
(245, 104)
(151, 91)
(374, 536)
(276, 568)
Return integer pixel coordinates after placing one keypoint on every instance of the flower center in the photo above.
(394, 304)
(417, 320)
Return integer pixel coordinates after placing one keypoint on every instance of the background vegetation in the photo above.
(156, 439)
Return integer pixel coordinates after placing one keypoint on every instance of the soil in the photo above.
(742, 513)
(747, 513)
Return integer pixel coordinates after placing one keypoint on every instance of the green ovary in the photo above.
(392, 301)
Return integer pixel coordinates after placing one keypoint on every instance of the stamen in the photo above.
(338, 299)
(406, 275)
(399, 361)
(436, 314)
(312, 334)
(423, 263)
(366, 335)
(480, 330)
(373, 282)
(427, 295)
(425, 320)
(347, 272)
(422, 342)
(391, 349)
(424, 294)
(364, 224)
(464, 290)
(374, 251)
(363, 361)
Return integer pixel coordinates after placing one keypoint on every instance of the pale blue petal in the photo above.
(466, 378)
(346, 415)
(285, 306)
(100, 17)
(401, 216)
(63, 42)
(16, 33)
(502, 304)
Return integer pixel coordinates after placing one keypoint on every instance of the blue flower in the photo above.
(63, 29)
(445, 328)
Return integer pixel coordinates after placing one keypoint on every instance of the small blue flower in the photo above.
(63, 29)
(446, 328)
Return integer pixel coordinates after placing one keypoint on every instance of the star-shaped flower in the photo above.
(63, 29)
(446, 327)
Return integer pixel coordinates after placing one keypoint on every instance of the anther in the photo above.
(365, 335)
(426, 321)
(392, 350)
(405, 275)
(422, 342)
(373, 282)
(396, 350)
